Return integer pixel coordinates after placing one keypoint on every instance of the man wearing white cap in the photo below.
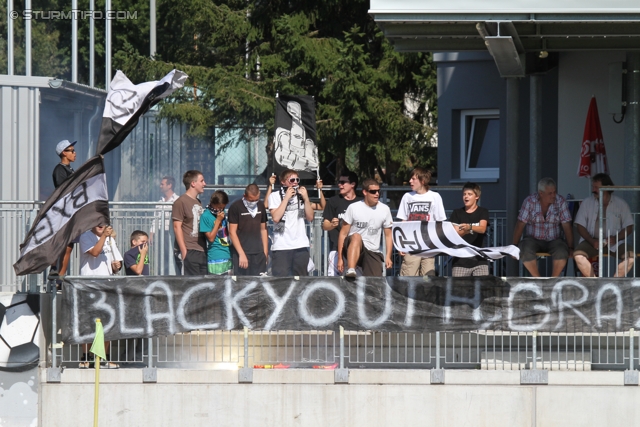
(61, 172)
(67, 154)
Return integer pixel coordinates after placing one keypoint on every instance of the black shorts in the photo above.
(257, 264)
(369, 261)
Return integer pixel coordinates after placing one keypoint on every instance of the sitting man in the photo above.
(544, 214)
(617, 226)
(359, 238)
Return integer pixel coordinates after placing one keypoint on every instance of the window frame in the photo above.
(467, 172)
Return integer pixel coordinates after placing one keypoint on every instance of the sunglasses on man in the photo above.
(373, 191)
(294, 180)
(69, 150)
(344, 182)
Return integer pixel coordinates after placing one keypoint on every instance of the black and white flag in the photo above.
(432, 238)
(295, 137)
(127, 102)
(82, 201)
(79, 204)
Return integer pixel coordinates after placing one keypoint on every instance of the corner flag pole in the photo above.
(97, 348)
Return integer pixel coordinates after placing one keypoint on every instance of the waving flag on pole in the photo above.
(593, 157)
(127, 102)
(295, 137)
(81, 202)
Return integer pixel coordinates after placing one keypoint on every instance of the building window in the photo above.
(480, 144)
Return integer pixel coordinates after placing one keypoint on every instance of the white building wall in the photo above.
(306, 397)
(581, 76)
(19, 139)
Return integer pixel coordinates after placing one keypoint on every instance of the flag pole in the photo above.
(97, 347)
(97, 392)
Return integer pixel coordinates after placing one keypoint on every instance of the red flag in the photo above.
(593, 157)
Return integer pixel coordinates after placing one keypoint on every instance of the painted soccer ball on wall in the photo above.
(19, 331)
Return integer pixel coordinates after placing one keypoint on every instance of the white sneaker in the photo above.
(350, 273)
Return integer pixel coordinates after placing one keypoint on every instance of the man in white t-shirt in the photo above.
(421, 204)
(99, 255)
(359, 239)
(617, 226)
(289, 208)
(171, 259)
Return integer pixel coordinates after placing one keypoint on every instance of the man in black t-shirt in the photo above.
(67, 154)
(334, 212)
(63, 170)
(472, 222)
(247, 219)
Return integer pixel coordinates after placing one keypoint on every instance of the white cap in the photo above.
(63, 145)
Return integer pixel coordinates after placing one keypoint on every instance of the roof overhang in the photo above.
(50, 83)
(512, 30)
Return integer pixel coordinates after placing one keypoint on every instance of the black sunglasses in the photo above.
(70, 151)
(344, 182)
(373, 191)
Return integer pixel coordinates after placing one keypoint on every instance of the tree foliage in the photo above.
(375, 108)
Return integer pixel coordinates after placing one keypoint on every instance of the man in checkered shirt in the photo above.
(545, 215)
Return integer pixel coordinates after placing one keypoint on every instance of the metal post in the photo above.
(438, 350)
(152, 28)
(107, 52)
(535, 130)
(54, 326)
(600, 232)
(535, 350)
(74, 41)
(341, 347)
(9, 38)
(511, 161)
(245, 374)
(631, 363)
(246, 347)
(255, 152)
(92, 49)
(27, 31)
(150, 352)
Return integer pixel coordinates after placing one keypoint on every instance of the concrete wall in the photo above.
(581, 76)
(19, 398)
(310, 398)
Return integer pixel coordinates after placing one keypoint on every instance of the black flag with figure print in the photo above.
(295, 136)
(82, 201)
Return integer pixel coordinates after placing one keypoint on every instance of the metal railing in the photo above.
(16, 219)
(126, 217)
(485, 350)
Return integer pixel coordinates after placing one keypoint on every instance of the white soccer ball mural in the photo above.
(19, 331)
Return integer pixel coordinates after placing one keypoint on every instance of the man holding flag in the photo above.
(81, 201)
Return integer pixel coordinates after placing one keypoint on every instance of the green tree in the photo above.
(47, 57)
(376, 108)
